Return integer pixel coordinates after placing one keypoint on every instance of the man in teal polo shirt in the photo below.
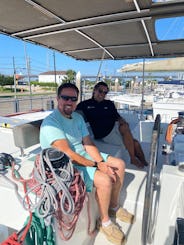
(65, 130)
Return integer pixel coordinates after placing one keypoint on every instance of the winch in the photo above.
(178, 142)
(180, 123)
(5, 161)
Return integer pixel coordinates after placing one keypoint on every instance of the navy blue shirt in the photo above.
(101, 116)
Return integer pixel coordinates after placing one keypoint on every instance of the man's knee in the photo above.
(121, 165)
(102, 180)
(123, 127)
(117, 162)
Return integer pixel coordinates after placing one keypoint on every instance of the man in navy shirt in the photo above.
(107, 124)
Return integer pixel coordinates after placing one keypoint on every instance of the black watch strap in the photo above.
(96, 163)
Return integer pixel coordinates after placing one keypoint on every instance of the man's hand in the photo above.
(108, 169)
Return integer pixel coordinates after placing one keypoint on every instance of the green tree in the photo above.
(70, 76)
(6, 80)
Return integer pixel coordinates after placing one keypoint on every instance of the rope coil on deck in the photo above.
(16, 238)
(59, 192)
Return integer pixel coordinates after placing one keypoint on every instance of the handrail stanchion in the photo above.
(147, 211)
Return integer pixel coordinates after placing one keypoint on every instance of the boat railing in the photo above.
(147, 225)
(14, 105)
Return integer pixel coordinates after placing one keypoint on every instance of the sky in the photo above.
(42, 59)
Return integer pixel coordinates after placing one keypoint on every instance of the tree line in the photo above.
(6, 80)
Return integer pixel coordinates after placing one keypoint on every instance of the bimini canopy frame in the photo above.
(84, 30)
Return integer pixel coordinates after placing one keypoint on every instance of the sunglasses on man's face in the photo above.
(102, 91)
(66, 98)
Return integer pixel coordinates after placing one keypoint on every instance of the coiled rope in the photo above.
(59, 191)
(17, 238)
(39, 233)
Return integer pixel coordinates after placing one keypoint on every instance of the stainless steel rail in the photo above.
(27, 103)
(147, 223)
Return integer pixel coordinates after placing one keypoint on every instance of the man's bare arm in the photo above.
(63, 146)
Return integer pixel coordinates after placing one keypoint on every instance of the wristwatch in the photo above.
(96, 163)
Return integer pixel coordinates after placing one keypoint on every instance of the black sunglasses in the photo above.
(66, 98)
(102, 91)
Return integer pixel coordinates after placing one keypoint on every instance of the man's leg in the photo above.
(108, 192)
(139, 152)
(103, 184)
(115, 210)
(128, 141)
(119, 166)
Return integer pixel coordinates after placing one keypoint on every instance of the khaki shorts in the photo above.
(114, 137)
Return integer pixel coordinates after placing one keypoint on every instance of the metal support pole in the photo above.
(79, 85)
(142, 100)
(55, 70)
(28, 74)
(98, 74)
(14, 77)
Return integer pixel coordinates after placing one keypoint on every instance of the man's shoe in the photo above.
(113, 234)
(123, 215)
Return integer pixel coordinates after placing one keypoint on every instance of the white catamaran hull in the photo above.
(168, 197)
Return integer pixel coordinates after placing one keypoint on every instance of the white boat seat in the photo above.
(112, 149)
(26, 135)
